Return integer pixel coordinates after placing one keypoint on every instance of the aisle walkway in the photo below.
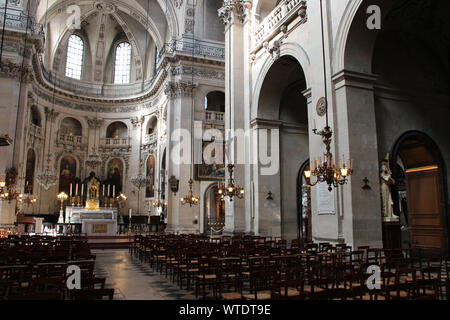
(134, 280)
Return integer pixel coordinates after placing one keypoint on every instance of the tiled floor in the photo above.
(133, 280)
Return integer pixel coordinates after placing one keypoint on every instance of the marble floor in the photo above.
(133, 280)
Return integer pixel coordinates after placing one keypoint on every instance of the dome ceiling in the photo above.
(103, 25)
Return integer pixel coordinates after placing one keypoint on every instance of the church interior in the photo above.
(230, 150)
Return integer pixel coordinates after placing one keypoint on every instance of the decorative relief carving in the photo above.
(234, 11)
(198, 72)
(179, 89)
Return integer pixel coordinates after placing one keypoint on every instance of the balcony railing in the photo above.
(20, 22)
(150, 138)
(279, 16)
(180, 46)
(115, 142)
(68, 139)
(35, 130)
(214, 116)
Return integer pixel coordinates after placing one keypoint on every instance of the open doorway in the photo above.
(419, 193)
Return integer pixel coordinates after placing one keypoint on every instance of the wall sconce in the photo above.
(366, 184)
(174, 183)
(270, 196)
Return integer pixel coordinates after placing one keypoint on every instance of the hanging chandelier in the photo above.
(28, 198)
(159, 203)
(140, 180)
(8, 186)
(190, 198)
(47, 178)
(232, 189)
(324, 169)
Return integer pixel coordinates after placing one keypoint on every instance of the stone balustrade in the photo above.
(214, 116)
(282, 13)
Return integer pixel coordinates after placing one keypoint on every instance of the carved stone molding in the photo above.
(198, 72)
(137, 121)
(179, 89)
(234, 11)
(50, 115)
(95, 123)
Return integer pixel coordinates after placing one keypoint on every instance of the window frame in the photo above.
(79, 61)
(122, 66)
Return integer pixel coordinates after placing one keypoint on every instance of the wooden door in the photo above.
(424, 210)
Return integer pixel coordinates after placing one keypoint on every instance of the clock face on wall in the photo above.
(321, 107)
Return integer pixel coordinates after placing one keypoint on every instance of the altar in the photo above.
(94, 219)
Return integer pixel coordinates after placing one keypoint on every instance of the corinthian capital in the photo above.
(234, 11)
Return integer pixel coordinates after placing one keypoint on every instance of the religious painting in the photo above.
(29, 173)
(68, 173)
(149, 190)
(115, 175)
(213, 162)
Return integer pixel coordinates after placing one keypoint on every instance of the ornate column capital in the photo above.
(179, 89)
(137, 121)
(95, 123)
(234, 11)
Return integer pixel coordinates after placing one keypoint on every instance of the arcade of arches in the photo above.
(256, 69)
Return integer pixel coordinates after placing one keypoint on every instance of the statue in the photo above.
(386, 182)
(93, 188)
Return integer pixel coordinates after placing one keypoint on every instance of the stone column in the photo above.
(357, 139)
(233, 14)
(181, 218)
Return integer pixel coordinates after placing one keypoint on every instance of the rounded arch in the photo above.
(215, 101)
(287, 64)
(71, 126)
(35, 116)
(208, 202)
(288, 49)
(303, 218)
(430, 156)
(117, 130)
(152, 125)
(261, 8)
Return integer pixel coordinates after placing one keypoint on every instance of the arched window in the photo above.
(75, 52)
(123, 63)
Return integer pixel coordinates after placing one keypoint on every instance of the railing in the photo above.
(115, 142)
(71, 140)
(214, 116)
(277, 17)
(181, 46)
(150, 138)
(20, 22)
(35, 130)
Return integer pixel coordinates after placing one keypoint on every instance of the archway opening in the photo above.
(117, 130)
(282, 108)
(214, 211)
(419, 193)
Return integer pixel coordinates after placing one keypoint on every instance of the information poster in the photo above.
(325, 199)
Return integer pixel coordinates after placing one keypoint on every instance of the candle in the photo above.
(70, 189)
(76, 190)
(108, 190)
(82, 189)
(314, 124)
(103, 190)
(114, 191)
(130, 213)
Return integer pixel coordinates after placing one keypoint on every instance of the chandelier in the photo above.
(190, 198)
(8, 186)
(47, 178)
(324, 169)
(232, 189)
(159, 203)
(27, 198)
(140, 180)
